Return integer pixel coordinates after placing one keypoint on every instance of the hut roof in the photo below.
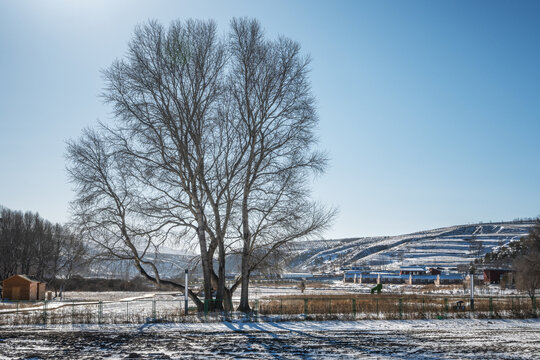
(25, 277)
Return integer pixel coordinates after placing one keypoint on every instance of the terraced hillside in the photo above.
(447, 247)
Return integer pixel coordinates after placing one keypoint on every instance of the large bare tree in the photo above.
(275, 108)
(211, 136)
(165, 97)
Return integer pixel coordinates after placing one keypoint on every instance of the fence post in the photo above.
(45, 312)
(17, 309)
(281, 307)
(534, 306)
(512, 306)
(400, 308)
(153, 310)
(305, 307)
(491, 307)
(354, 308)
(127, 311)
(72, 311)
(186, 291)
(330, 306)
(100, 311)
(205, 307)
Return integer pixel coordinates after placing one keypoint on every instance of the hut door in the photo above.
(15, 293)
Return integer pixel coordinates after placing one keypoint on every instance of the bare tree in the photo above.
(213, 145)
(73, 257)
(164, 97)
(32, 245)
(275, 109)
(527, 264)
(527, 269)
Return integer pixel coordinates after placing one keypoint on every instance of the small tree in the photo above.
(527, 265)
(527, 269)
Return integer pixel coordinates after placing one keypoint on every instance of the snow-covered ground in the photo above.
(414, 339)
(112, 300)
(141, 307)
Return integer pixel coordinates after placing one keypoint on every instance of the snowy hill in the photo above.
(446, 247)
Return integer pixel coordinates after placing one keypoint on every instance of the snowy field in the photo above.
(333, 288)
(415, 339)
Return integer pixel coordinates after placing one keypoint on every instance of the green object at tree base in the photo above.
(376, 288)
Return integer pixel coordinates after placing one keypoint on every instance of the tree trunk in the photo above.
(220, 294)
(206, 264)
(244, 294)
(246, 237)
(227, 300)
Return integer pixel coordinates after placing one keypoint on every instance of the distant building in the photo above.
(360, 268)
(297, 276)
(396, 278)
(22, 287)
(412, 270)
(493, 276)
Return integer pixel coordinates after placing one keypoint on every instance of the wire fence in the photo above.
(160, 310)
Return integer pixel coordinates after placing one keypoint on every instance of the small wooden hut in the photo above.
(22, 287)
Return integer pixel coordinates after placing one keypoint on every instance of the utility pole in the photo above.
(186, 293)
(472, 289)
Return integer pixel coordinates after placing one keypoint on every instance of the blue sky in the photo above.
(429, 110)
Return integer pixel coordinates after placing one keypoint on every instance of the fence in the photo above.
(277, 308)
(400, 307)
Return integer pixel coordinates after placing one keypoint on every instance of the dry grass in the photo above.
(287, 307)
(391, 306)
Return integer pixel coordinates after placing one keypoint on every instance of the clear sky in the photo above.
(429, 110)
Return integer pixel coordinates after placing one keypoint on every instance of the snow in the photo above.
(413, 339)
(56, 304)
(447, 247)
(461, 325)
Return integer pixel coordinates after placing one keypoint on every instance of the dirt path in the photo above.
(53, 305)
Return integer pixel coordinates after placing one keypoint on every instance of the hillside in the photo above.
(446, 247)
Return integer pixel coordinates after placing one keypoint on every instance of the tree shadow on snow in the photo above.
(274, 347)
